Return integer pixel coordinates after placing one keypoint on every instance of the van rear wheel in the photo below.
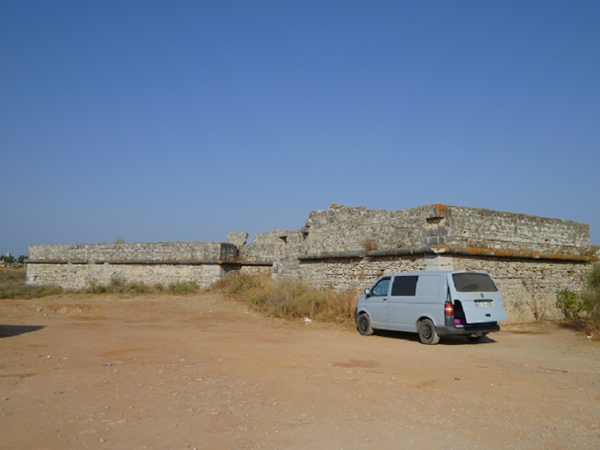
(427, 333)
(364, 325)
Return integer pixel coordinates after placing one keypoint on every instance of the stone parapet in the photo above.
(134, 251)
(483, 228)
(344, 229)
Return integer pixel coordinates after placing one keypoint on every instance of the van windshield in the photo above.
(473, 282)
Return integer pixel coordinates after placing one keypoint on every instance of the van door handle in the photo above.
(385, 299)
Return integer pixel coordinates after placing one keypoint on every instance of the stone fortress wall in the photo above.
(78, 266)
(530, 257)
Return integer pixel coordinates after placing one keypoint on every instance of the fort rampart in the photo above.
(530, 257)
(78, 266)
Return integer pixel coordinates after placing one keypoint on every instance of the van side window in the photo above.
(405, 286)
(381, 288)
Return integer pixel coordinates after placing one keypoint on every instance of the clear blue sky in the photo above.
(183, 120)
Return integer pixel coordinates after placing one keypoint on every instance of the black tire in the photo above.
(474, 339)
(427, 333)
(364, 325)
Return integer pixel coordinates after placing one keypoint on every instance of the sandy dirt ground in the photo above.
(201, 372)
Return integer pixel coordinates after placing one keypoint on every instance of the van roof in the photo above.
(434, 272)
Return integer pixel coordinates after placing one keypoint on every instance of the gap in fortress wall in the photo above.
(347, 248)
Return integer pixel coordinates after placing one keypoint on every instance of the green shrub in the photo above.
(591, 299)
(96, 288)
(570, 304)
(137, 288)
(117, 285)
(43, 291)
(592, 294)
(183, 287)
(585, 306)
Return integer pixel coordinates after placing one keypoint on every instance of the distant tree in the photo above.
(22, 259)
(9, 259)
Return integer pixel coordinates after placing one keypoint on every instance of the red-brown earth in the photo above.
(201, 372)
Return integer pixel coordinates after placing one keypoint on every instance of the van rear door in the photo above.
(480, 297)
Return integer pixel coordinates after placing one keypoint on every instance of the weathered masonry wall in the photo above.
(500, 230)
(73, 276)
(442, 228)
(529, 286)
(530, 257)
(78, 266)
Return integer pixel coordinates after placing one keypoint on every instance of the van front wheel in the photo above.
(364, 325)
(427, 333)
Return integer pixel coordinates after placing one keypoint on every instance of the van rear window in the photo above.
(474, 282)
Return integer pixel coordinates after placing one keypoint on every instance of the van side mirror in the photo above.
(367, 292)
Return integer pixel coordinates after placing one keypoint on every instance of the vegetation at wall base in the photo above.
(570, 304)
(290, 299)
(120, 286)
(183, 287)
(12, 286)
(284, 299)
(583, 307)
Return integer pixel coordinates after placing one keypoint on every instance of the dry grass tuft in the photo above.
(369, 244)
(290, 299)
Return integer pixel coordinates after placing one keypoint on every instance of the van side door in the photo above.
(378, 303)
(403, 303)
(431, 295)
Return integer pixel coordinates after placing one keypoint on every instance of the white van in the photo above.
(432, 304)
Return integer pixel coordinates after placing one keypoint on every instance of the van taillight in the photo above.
(448, 309)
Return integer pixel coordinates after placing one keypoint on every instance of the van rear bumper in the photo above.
(467, 329)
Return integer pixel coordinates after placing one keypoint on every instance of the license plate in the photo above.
(483, 303)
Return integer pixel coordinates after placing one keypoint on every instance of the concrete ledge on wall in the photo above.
(334, 255)
(508, 253)
(448, 250)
